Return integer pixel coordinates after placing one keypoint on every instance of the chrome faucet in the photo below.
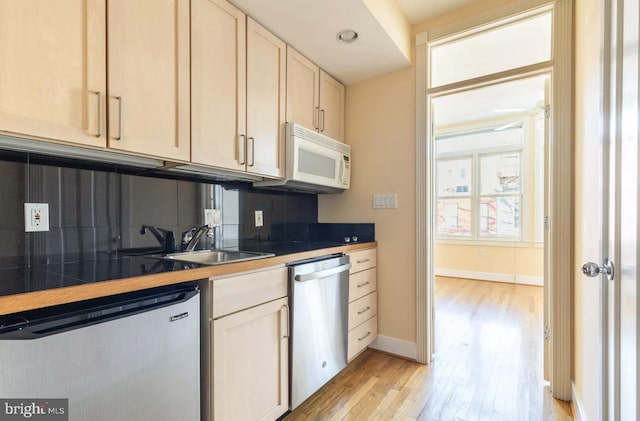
(191, 238)
(166, 238)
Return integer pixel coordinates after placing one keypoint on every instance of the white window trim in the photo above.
(526, 217)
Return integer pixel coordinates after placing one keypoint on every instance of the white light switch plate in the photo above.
(36, 217)
(385, 201)
(212, 217)
(259, 221)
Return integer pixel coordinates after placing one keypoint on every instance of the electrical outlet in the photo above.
(36, 217)
(259, 221)
(212, 217)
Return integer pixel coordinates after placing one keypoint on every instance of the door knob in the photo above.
(592, 269)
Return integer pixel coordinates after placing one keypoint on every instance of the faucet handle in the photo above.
(169, 242)
(187, 236)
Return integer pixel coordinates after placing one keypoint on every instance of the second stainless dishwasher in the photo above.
(319, 301)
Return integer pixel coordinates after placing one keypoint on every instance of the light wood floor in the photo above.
(488, 365)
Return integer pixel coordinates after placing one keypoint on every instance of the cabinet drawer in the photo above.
(362, 259)
(362, 336)
(243, 291)
(363, 309)
(362, 283)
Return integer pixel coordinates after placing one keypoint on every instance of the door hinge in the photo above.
(546, 222)
(547, 334)
(547, 110)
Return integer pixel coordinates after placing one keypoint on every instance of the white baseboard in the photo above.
(529, 280)
(395, 346)
(576, 404)
(490, 276)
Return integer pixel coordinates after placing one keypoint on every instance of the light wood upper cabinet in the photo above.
(148, 68)
(52, 72)
(266, 87)
(331, 107)
(218, 83)
(314, 99)
(303, 90)
(238, 91)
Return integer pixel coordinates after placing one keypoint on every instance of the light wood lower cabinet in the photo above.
(363, 301)
(361, 336)
(249, 346)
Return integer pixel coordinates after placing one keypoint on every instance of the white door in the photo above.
(607, 204)
(623, 229)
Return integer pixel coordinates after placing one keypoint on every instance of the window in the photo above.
(454, 197)
(479, 184)
(493, 50)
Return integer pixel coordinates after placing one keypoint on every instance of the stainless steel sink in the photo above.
(213, 257)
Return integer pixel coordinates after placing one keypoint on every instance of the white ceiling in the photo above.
(311, 26)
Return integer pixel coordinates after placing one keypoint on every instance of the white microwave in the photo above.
(314, 163)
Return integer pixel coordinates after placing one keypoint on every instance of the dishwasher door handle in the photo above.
(322, 274)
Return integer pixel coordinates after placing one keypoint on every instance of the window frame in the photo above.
(475, 154)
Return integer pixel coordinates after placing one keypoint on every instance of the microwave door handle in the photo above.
(343, 171)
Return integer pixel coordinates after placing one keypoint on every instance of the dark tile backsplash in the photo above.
(97, 211)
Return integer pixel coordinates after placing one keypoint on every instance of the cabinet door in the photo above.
(148, 69)
(331, 107)
(218, 84)
(266, 61)
(251, 363)
(303, 83)
(53, 70)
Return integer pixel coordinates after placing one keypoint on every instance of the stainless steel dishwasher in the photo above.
(130, 357)
(319, 301)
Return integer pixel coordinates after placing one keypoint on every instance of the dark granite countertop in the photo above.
(65, 271)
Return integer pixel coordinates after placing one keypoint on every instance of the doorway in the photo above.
(495, 54)
(489, 181)
(489, 242)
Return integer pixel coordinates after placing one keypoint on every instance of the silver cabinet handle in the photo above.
(242, 149)
(322, 274)
(363, 261)
(364, 337)
(251, 151)
(119, 99)
(286, 307)
(98, 95)
(364, 310)
(322, 121)
(363, 284)
(316, 118)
